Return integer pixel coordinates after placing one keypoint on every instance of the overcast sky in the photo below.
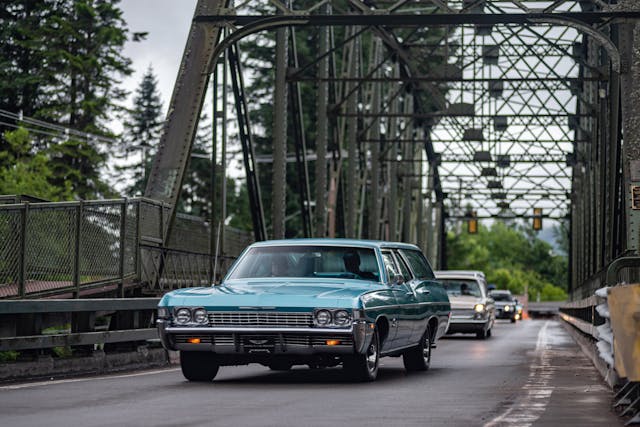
(167, 22)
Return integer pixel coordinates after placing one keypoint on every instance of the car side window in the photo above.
(404, 270)
(418, 264)
(390, 265)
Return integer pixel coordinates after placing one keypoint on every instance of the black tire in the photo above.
(364, 367)
(418, 358)
(280, 366)
(513, 320)
(483, 334)
(198, 365)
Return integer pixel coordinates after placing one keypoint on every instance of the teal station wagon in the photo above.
(316, 302)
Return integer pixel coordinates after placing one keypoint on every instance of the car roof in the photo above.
(336, 242)
(459, 274)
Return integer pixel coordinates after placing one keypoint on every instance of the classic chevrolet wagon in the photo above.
(316, 302)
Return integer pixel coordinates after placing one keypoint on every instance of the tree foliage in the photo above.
(61, 62)
(512, 258)
(23, 171)
(142, 131)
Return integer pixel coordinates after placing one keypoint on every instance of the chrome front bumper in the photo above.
(267, 340)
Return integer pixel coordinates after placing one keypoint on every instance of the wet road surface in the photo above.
(527, 374)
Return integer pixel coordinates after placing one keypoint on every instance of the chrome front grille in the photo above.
(469, 312)
(257, 319)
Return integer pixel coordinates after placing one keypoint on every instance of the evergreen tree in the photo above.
(196, 188)
(142, 130)
(60, 61)
(23, 73)
(86, 41)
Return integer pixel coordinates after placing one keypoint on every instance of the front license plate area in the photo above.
(259, 344)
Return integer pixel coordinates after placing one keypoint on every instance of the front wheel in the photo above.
(483, 334)
(418, 358)
(198, 365)
(280, 366)
(364, 367)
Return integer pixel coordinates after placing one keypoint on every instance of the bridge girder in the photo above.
(525, 82)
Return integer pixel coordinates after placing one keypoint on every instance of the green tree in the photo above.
(513, 258)
(86, 42)
(23, 171)
(142, 130)
(60, 62)
(23, 45)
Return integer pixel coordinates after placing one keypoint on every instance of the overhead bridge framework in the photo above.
(425, 110)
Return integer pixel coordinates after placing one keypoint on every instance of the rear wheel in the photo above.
(198, 365)
(418, 358)
(364, 367)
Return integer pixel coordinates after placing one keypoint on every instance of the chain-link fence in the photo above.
(73, 247)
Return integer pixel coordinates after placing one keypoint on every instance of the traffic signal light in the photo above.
(537, 219)
(472, 223)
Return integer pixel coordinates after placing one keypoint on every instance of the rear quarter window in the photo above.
(418, 264)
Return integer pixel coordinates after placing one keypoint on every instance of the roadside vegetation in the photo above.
(513, 258)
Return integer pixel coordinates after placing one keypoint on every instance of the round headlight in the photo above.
(183, 315)
(479, 308)
(323, 317)
(507, 308)
(341, 318)
(200, 316)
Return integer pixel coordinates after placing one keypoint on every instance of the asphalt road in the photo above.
(530, 373)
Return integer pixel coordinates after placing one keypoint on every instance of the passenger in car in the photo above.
(464, 289)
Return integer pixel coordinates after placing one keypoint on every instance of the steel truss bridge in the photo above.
(425, 112)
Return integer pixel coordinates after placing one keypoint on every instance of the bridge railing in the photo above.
(70, 323)
(605, 319)
(78, 248)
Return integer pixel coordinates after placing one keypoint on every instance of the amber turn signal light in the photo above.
(193, 340)
(333, 342)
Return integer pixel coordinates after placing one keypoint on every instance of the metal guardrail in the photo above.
(591, 315)
(582, 313)
(83, 247)
(24, 321)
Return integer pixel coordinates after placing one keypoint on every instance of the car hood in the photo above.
(464, 302)
(273, 293)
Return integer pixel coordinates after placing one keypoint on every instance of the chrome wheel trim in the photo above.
(372, 355)
(426, 347)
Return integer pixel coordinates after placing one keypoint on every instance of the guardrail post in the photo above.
(123, 237)
(76, 260)
(138, 264)
(23, 250)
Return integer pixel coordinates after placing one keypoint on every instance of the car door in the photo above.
(405, 300)
(431, 297)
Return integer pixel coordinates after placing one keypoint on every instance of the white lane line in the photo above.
(77, 380)
(529, 407)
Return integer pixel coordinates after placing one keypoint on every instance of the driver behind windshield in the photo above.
(352, 265)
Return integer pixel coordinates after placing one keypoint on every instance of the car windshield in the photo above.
(501, 297)
(308, 261)
(457, 287)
